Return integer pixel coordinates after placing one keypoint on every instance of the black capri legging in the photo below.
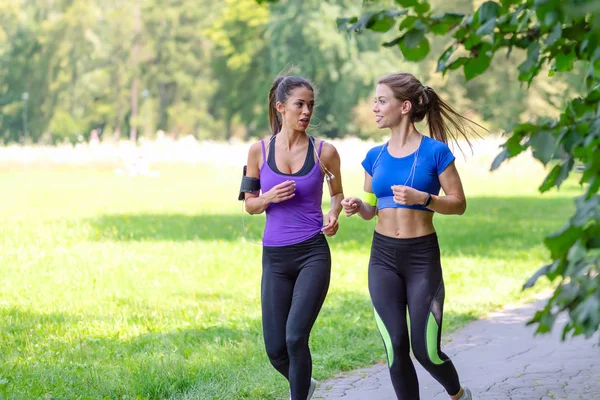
(407, 273)
(295, 281)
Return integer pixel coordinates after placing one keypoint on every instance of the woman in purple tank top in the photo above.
(286, 176)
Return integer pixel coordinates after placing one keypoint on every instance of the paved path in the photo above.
(499, 359)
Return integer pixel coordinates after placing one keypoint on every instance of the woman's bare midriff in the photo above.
(403, 223)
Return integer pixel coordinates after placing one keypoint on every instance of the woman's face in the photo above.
(298, 108)
(388, 110)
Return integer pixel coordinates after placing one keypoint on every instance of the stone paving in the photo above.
(499, 359)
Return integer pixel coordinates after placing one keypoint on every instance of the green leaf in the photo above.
(362, 22)
(444, 23)
(487, 28)
(550, 179)
(544, 145)
(594, 186)
(416, 53)
(575, 255)
(564, 60)
(342, 23)
(554, 35)
(539, 273)
(586, 210)
(477, 66)
(472, 41)
(422, 8)
(546, 322)
(557, 176)
(488, 10)
(408, 22)
(533, 54)
(382, 24)
(407, 3)
(587, 314)
(594, 95)
(444, 58)
(594, 241)
(560, 242)
(413, 38)
(383, 21)
(504, 154)
(459, 62)
(551, 18)
(564, 171)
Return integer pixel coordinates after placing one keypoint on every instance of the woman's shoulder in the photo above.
(374, 151)
(255, 148)
(435, 146)
(327, 148)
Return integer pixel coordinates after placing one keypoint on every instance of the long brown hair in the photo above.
(280, 91)
(426, 102)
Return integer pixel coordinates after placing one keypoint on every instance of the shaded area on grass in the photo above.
(490, 224)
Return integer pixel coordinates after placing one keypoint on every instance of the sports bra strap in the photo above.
(264, 152)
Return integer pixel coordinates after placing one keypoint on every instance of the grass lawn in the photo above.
(115, 287)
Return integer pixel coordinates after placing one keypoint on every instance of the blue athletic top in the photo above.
(432, 158)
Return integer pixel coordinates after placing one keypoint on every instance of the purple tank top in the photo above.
(300, 218)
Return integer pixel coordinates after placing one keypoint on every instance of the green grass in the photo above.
(133, 288)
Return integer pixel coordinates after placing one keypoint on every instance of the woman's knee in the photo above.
(276, 351)
(427, 354)
(296, 343)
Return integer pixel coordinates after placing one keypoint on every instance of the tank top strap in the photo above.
(320, 147)
(264, 152)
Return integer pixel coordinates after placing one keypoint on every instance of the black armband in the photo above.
(249, 185)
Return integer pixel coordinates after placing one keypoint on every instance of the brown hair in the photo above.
(426, 102)
(280, 91)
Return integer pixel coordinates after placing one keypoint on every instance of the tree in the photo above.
(556, 35)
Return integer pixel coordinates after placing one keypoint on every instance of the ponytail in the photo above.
(274, 120)
(440, 113)
(426, 103)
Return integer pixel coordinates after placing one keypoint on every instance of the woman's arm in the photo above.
(331, 160)
(454, 201)
(354, 205)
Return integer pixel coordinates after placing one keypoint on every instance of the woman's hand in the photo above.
(331, 226)
(351, 205)
(408, 196)
(282, 192)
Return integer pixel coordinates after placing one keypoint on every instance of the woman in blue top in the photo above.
(402, 184)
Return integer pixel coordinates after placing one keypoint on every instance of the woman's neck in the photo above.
(289, 138)
(404, 134)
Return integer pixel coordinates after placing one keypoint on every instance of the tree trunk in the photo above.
(137, 18)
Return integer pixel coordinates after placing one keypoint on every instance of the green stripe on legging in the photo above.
(387, 341)
(432, 335)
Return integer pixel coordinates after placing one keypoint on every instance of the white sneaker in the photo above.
(466, 394)
(311, 389)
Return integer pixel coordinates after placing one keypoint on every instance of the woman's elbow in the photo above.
(462, 207)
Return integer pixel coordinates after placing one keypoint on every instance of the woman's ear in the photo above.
(406, 107)
(280, 107)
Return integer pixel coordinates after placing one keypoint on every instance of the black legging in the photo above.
(408, 272)
(295, 281)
